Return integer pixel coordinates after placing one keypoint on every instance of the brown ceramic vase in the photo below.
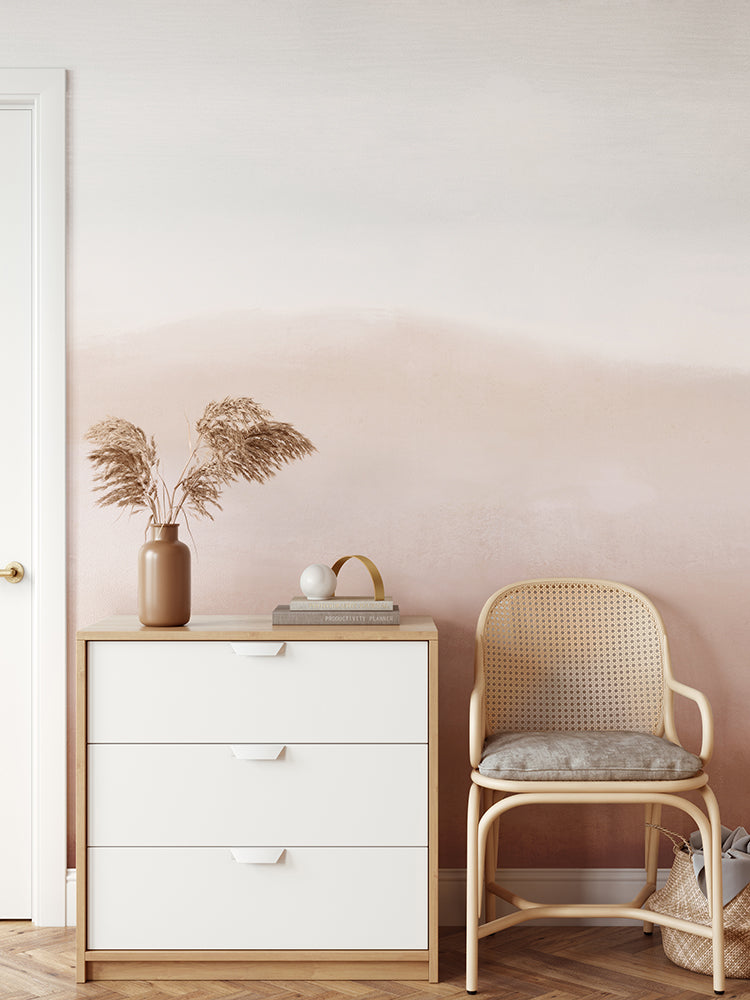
(164, 578)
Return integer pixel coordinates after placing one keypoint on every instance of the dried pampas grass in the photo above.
(237, 439)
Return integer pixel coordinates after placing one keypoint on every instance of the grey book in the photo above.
(282, 615)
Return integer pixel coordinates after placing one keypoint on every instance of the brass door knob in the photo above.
(13, 572)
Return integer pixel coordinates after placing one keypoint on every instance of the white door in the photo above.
(32, 495)
(16, 287)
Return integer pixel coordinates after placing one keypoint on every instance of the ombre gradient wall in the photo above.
(491, 257)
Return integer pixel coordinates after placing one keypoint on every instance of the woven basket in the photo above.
(681, 897)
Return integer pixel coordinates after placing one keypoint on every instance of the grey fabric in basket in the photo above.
(586, 756)
(735, 861)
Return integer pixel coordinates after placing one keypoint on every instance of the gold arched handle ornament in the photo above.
(13, 572)
(372, 569)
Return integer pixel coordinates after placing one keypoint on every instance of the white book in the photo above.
(341, 604)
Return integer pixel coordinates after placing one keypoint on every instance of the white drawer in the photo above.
(162, 898)
(302, 794)
(306, 692)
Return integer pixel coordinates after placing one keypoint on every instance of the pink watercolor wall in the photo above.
(491, 258)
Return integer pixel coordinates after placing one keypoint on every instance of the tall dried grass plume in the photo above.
(236, 439)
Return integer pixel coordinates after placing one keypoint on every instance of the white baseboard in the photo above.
(553, 885)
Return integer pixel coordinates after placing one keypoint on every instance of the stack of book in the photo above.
(337, 611)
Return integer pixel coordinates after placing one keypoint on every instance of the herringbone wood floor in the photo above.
(525, 963)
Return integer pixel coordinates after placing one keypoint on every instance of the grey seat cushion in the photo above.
(586, 756)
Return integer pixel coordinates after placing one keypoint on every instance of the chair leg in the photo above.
(653, 815)
(714, 886)
(472, 889)
(490, 859)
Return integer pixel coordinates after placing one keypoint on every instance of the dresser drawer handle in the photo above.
(257, 855)
(257, 648)
(257, 751)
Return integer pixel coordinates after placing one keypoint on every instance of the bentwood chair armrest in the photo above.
(477, 719)
(706, 715)
(476, 725)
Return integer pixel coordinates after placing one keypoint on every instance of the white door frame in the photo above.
(43, 92)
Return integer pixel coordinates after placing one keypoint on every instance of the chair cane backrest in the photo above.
(572, 655)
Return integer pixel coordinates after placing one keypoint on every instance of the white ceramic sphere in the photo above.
(318, 582)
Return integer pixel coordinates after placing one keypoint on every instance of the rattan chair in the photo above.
(573, 703)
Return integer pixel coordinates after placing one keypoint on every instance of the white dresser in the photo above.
(257, 802)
